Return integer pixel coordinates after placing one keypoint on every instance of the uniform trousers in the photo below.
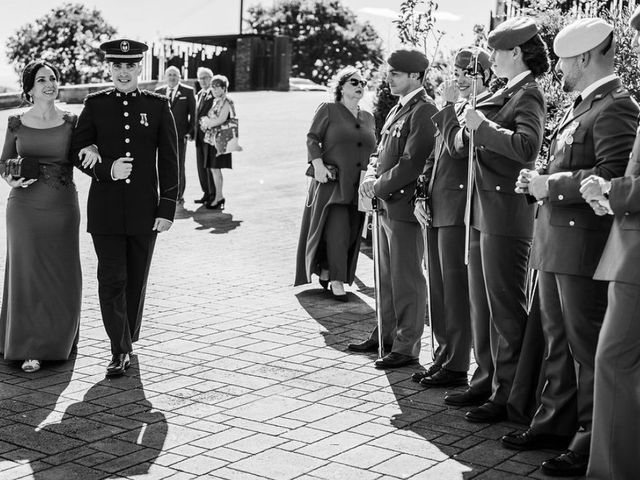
(449, 295)
(339, 237)
(615, 443)
(123, 269)
(204, 174)
(572, 308)
(402, 285)
(182, 152)
(497, 294)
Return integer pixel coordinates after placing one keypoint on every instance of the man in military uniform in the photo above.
(407, 139)
(594, 137)
(183, 107)
(443, 217)
(136, 136)
(616, 406)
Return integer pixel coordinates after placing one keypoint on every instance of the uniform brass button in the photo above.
(560, 197)
(127, 181)
(126, 140)
(126, 127)
(572, 223)
(461, 186)
(540, 202)
(498, 187)
(401, 191)
(626, 213)
(126, 114)
(125, 103)
(128, 154)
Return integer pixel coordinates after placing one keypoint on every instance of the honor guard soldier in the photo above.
(594, 137)
(133, 191)
(407, 138)
(508, 130)
(442, 214)
(616, 407)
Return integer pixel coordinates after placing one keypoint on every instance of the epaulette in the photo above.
(106, 91)
(149, 93)
(620, 92)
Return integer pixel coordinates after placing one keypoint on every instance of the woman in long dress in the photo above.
(42, 285)
(339, 143)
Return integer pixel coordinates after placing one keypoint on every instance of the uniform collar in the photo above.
(598, 83)
(517, 78)
(133, 93)
(404, 100)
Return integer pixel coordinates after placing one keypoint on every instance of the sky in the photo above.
(150, 20)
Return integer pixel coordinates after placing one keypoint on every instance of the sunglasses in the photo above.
(356, 83)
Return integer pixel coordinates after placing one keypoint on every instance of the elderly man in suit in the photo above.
(133, 191)
(616, 407)
(443, 217)
(204, 101)
(407, 139)
(594, 138)
(183, 106)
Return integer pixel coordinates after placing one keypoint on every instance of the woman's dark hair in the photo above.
(535, 55)
(29, 76)
(220, 81)
(340, 79)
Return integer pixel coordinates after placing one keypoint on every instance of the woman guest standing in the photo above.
(508, 128)
(42, 285)
(221, 110)
(339, 143)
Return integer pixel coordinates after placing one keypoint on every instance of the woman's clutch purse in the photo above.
(22, 167)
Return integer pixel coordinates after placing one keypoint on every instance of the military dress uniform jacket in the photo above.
(137, 125)
(183, 108)
(595, 139)
(507, 142)
(621, 256)
(406, 142)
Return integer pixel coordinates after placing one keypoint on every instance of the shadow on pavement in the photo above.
(462, 450)
(112, 432)
(214, 220)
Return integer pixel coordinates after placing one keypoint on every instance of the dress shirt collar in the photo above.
(403, 101)
(595, 85)
(517, 78)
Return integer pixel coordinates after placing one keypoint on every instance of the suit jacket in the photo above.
(595, 138)
(446, 169)
(202, 108)
(406, 142)
(621, 256)
(140, 125)
(183, 108)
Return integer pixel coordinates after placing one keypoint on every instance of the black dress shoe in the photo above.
(466, 398)
(202, 200)
(369, 345)
(119, 364)
(569, 464)
(528, 440)
(324, 283)
(394, 360)
(489, 412)
(417, 376)
(445, 378)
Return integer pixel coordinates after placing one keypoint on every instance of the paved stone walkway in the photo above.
(237, 374)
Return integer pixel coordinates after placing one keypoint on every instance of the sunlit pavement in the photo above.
(237, 374)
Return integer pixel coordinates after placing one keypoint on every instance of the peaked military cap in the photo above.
(634, 20)
(123, 50)
(512, 33)
(464, 58)
(581, 36)
(408, 61)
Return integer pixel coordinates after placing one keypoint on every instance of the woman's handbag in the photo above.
(27, 168)
(225, 136)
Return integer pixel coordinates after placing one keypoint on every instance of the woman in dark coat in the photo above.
(339, 143)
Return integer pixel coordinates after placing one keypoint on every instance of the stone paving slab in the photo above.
(237, 374)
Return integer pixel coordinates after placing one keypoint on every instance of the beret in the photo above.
(512, 33)
(634, 20)
(464, 58)
(123, 50)
(409, 61)
(581, 36)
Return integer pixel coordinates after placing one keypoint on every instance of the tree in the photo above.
(325, 36)
(69, 37)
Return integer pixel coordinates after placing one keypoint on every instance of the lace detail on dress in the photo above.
(70, 118)
(14, 123)
(57, 176)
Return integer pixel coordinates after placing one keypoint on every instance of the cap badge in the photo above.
(124, 46)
